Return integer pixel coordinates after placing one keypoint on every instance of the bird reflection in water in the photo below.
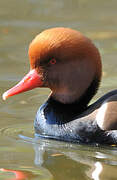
(19, 174)
(65, 160)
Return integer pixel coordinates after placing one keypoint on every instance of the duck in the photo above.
(69, 64)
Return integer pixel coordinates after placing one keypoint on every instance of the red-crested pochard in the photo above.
(68, 63)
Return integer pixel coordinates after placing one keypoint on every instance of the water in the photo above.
(22, 158)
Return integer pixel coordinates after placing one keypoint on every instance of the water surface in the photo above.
(42, 159)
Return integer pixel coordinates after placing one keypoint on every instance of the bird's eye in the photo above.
(52, 61)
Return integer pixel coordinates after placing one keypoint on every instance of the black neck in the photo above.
(67, 112)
